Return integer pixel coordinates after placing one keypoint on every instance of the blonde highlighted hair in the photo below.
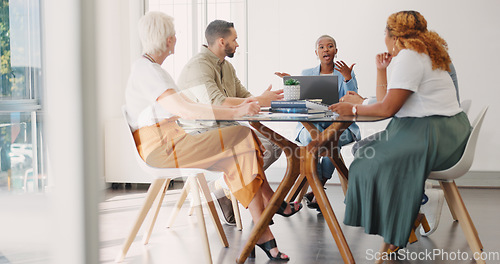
(410, 29)
(154, 29)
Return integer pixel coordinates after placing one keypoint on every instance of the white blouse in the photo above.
(146, 83)
(433, 90)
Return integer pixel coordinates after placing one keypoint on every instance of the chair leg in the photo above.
(236, 210)
(302, 192)
(297, 187)
(191, 208)
(342, 179)
(447, 196)
(343, 184)
(451, 191)
(150, 197)
(425, 224)
(195, 193)
(448, 199)
(179, 203)
(413, 237)
(213, 213)
(157, 204)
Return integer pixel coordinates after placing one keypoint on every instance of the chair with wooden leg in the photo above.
(160, 178)
(426, 228)
(447, 178)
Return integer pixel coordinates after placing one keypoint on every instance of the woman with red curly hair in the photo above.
(428, 130)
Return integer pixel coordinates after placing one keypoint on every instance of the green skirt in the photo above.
(387, 176)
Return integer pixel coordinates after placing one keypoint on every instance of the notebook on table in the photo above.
(323, 87)
(301, 104)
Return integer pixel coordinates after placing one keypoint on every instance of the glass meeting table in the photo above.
(302, 160)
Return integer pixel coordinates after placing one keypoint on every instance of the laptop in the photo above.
(323, 87)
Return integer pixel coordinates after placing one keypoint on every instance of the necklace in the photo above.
(147, 56)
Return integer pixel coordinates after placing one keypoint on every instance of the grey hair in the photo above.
(325, 36)
(154, 29)
(217, 29)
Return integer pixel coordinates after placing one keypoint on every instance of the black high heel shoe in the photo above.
(309, 197)
(267, 246)
(281, 210)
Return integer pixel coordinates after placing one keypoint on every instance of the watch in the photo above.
(354, 109)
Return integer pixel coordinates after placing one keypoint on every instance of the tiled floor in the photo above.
(305, 237)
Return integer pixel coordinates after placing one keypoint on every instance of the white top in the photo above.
(433, 90)
(146, 83)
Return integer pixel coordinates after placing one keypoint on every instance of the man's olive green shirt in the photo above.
(205, 79)
(208, 80)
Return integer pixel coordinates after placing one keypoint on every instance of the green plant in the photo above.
(292, 82)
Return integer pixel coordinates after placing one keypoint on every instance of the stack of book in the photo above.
(300, 107)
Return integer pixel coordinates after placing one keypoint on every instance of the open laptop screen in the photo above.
(324, 87)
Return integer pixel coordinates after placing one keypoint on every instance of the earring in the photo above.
(169, 52)
(393, 50)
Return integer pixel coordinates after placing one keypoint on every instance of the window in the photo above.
(21, 153)
(191, 18)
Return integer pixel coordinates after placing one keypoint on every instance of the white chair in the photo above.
(465, 105)
(447, 178)
(160, 178)
(426, 229)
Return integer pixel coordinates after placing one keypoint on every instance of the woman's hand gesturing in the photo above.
(344, 69)
(382, 60)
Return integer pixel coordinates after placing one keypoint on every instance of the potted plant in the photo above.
(291, 89)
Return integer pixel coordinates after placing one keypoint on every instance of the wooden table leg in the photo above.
(305, 165)
(274, 204)
(292, 172)
(297, 188)
(339, 164)
(308, 168)
(302, 192)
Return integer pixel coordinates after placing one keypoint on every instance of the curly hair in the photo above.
(410, 29)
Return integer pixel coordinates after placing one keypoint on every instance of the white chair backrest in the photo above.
(163, 172)
(465, 105)
(465, 162)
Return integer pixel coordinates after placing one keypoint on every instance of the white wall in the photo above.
(282, 35)
(113, 55)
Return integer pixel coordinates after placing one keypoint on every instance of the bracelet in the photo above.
(378, 85)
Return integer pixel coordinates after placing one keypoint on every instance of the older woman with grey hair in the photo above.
(154, 104)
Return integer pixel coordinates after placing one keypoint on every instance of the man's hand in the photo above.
(267, 96)
(352, 97)
(250, 99)
(345, 70)
(281, 74)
